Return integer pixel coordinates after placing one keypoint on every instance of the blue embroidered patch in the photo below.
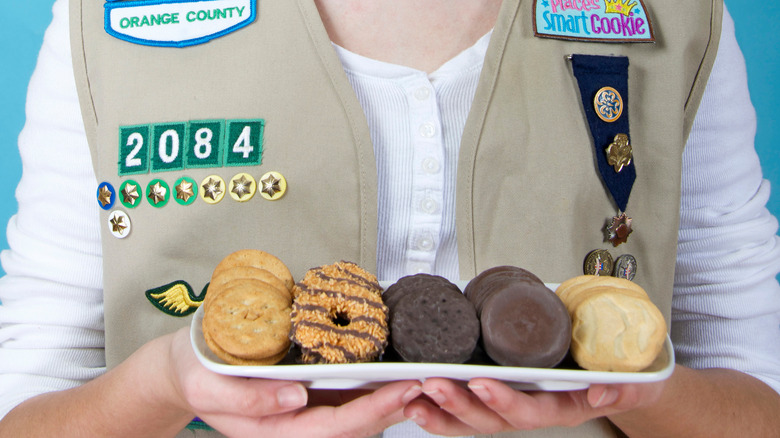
(176, 23)
(614, 21)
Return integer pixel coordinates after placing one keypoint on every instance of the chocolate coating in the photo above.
(525, 324)
(415, 284)
(438, 325)
(492, 280)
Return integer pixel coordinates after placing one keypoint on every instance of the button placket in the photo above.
(427, 179)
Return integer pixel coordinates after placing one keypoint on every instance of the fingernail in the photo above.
(608, 397)
(292, 396)
(436, 396)
(411, 394)
(419, 420)
(481, 392)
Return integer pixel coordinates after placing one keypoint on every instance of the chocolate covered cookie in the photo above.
(431, 320)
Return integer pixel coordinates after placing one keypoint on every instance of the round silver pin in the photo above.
(625, 267)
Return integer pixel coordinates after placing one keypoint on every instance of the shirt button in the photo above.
(422, 93)
(429, 206)
(427, 130)
(425, 243)
(430, 165)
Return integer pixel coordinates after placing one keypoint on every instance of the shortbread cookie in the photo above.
(615, 325)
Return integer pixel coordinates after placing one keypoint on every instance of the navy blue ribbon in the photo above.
(593, 73)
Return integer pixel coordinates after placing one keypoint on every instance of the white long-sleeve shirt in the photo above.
(726, 306)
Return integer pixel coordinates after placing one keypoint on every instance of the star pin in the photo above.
(243, 187)
(618, 229)
(273, 186)
(213, 189)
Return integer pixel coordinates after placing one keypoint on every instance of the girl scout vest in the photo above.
(226, 124)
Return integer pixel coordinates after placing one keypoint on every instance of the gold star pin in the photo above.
(185, 190)
(273, 186)
(213, 189)
(130, 196)
(119, 224)
(242, 187)
(158, 193)
(105, 196)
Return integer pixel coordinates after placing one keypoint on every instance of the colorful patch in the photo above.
(176, 299)
(176, 23)
(614, 21)
(173, 146)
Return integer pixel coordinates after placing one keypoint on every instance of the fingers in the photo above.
(250, 397)
(372, 413)
(461, 411)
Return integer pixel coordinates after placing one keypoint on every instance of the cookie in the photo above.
(615, 325)
(338, 315)
(523, 323)
(431, 321)
(258, 259)
(248, 323)
(244, 275)
(616, 332)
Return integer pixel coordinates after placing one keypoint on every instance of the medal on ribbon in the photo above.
(603, 84)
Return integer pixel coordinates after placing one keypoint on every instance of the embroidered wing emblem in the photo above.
(176, 299)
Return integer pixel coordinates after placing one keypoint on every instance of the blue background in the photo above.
(23, 22)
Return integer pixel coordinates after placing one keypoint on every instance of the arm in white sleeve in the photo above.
(51, 318)
(726, 306)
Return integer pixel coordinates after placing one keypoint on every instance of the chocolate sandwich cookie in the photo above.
(431, 321)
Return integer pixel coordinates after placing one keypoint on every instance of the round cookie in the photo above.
(255, 284)
(338, 315)
(258, 259)
(225, 276)
(481, 287)
(434, 323)
(415, 284)
(235, 360)
(614, 331)
(249, 324)
(524, 324)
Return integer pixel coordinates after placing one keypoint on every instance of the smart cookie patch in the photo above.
(613, 21)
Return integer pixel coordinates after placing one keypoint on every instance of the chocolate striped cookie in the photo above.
(338, 315)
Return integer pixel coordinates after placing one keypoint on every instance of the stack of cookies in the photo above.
(246, 319)
(615, 326)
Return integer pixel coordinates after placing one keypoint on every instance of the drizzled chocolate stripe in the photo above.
(326, 328)
(335, 294)
(325, 310)
(314, 356)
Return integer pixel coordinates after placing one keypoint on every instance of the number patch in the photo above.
(164, 147)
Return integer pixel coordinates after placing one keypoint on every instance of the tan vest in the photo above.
(528, 191)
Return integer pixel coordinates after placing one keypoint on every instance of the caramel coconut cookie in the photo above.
(615, 326)
(338, 315)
